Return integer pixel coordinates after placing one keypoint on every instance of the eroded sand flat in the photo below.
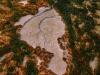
(43, 31)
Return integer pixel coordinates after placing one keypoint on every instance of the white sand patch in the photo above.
(43, 31)
(94, 63)
(23, 19)
(24, 2)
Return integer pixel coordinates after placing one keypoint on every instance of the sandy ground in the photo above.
(42, 30)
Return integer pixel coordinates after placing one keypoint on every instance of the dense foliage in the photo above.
(80, 18)
(10, 40)
(84, 12)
